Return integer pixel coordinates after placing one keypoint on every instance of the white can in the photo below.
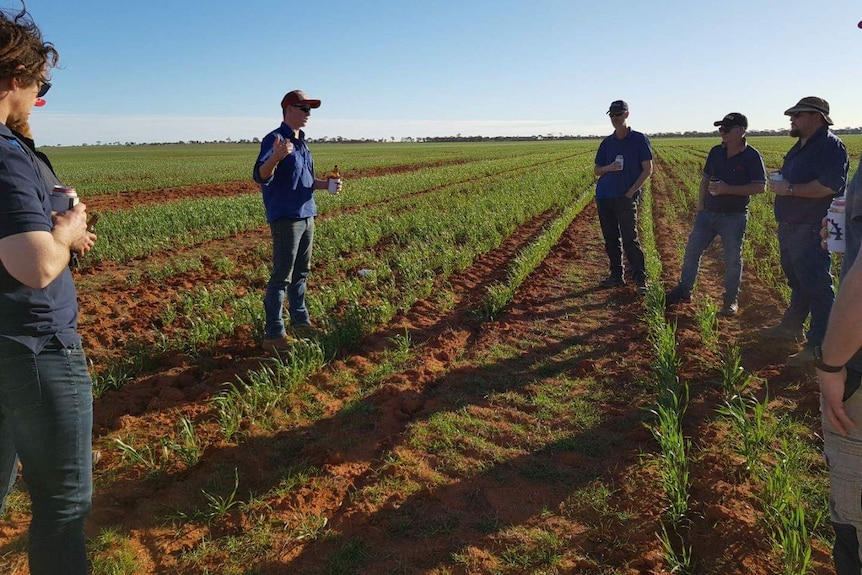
(621, 160)
(776, 177)
(63, 198)
(333, 185)
(835, 225)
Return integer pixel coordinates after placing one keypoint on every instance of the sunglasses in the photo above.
(726, 129)
(305, 109)
(43, 89)
(799, 114)
(617, 114)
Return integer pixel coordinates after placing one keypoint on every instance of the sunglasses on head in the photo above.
(43, 89)
(306, 109)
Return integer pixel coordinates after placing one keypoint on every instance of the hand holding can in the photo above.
(63, 199)
(620, 159)
(713, 186)
(835, 225)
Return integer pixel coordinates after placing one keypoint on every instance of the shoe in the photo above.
(97, 457)
(278, 343)
(803, 358)
(641, 287)
(729, 309)
(783, 332)
(677, 295)
(612, 281)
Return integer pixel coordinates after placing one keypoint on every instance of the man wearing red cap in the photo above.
(285, 171)
(814, 171)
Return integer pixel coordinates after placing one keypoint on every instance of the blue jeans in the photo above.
(807, 267)
(707, 225)
(46, 407)
(618, 218)
(291, 261)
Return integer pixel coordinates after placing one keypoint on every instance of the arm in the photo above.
(813, 189)
(646, 172)
(702, 191)
(281, 148)
(751, 189)
(37, 258)
(843, 339)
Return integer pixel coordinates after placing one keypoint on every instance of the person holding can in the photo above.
(814, 172)
(285, 171)
(733, 173)
(623, 165)
(46, 401)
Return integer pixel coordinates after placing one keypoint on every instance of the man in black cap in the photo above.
(814, 171)
(623, 164)
(285, 171)
(733, 173)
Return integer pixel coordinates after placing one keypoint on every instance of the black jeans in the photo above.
(619, 220)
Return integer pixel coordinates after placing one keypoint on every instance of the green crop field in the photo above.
(471, 403)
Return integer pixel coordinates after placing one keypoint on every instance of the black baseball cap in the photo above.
(731, 120)
(618, 106)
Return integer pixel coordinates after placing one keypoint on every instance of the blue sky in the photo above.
(162, 71)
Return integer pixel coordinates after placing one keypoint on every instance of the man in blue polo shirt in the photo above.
(46, 399)
(814, 171)
(623, 164)
(285, 171)
(733, 173)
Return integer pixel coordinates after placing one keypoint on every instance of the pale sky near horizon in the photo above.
(160, 71)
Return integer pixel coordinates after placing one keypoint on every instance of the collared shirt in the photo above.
(31, 316)
(635, 149)
(289, 192)
(823, 158)
(743, 168)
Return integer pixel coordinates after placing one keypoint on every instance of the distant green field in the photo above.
(116, 169)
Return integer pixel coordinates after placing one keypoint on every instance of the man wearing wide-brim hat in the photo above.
(814, 171)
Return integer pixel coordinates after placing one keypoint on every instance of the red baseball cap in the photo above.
(298, 98)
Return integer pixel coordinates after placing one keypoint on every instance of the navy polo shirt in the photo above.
(822, 158)
(746, 167)
(30, 316)
(635, 148)
(289, 193)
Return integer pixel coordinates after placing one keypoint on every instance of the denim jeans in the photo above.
(292, 240)
(707, 225)
(46, 407)
(619, 220)
(807, 267)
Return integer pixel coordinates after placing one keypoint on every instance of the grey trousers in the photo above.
(844, 458)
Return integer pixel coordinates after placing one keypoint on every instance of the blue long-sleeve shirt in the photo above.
(289, 192)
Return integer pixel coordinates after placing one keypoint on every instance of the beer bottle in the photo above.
(334, 180)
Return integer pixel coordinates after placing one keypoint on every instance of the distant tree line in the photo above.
(461, 138)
